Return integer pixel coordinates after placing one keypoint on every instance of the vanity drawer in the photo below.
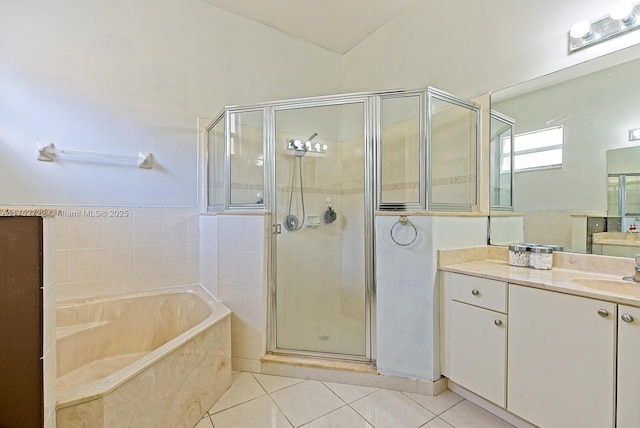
(481, 292)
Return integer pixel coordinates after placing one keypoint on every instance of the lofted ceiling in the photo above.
(337, 25)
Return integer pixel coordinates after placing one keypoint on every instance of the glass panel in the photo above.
(453, 154)
(613, 188)
(400, 150)
(247, 158)
(215, 166)
(321, 282)
(500, 163)
(632, 195)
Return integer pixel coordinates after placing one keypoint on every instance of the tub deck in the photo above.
(159, 358)
(95, 371)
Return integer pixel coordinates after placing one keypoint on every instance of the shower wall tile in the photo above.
(208, 254)
(240, 279)
(246, 303)
(135, 249)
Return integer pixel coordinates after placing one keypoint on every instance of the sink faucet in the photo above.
(635, 277)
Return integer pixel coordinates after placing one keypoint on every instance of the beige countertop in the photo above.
(608, 286)
(624, 239)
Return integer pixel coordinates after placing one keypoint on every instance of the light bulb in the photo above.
(325, 147)
(317, 147)
(622, 11)
(580, 29)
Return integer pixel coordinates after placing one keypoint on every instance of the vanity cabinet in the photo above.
(476, 344)
(628, 400)
(561, 359)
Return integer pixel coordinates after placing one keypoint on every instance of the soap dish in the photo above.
(313, 221)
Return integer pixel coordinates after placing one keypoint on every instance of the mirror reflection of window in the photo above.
(536, 149)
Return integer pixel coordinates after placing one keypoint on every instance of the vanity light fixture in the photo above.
(622, 19)
(634, 134)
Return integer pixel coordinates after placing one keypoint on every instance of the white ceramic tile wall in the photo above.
(125, 249)
(240, 281)
(209, 253)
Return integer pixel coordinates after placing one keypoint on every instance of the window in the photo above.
(533, 150)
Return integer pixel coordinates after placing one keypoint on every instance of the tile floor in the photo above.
(264, 401)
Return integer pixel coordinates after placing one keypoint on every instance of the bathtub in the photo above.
(151, 359)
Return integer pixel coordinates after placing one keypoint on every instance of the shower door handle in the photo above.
(277, 229)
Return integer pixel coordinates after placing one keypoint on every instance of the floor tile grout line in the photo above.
(280, 409)
(440, 419)
(426, 408)
(237, 405)
(349, 404)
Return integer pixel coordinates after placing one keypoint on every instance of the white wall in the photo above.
(469, 48)
(122, 77)
(408, 317)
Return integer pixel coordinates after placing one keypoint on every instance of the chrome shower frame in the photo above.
(371, 102)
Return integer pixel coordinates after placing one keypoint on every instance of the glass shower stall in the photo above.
(320, 168)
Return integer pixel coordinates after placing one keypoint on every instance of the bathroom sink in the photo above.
(617, 286)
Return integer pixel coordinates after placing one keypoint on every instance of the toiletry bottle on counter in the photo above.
(541, 258)
(518, 255)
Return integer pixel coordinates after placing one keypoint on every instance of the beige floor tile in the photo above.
(244, 388)
(344, 417)
(350, 393)
(436, 423)
(275, 383)
(306, 401)
(204, 423)
(468, 415)
(437, 404)
(259, 413)
(392, 409)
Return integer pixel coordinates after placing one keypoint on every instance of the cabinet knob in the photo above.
(475, 292)
(498, 322)
(603, 313)
(627, 318)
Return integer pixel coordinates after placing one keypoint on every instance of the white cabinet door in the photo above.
(561, 359)
(479, 350)
(628, 367)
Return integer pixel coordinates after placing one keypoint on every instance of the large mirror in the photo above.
(565, 126)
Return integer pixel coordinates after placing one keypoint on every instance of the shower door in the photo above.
(322, 228)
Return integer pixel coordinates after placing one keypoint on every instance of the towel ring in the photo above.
(403, 222)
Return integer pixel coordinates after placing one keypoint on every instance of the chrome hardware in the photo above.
(498, 322)
(603, 313)
(277, 229)
(635, 277)
(475, 292)
(627, 318)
